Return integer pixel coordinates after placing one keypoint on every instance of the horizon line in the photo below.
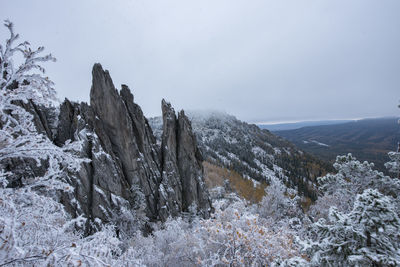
(318, 120)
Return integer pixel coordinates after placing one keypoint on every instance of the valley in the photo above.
(368, 140)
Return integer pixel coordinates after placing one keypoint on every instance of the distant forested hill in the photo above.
(298, 125)
(368, 139)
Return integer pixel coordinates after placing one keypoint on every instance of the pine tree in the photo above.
(367, 236)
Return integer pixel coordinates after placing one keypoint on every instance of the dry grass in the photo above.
(215, 176)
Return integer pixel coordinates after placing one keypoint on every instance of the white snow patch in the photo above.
(258, 151)
(233, 156)
(100, 191)
(319, 143)
(277, 151)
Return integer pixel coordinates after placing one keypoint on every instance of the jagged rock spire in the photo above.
(170, 177)
(182, 163)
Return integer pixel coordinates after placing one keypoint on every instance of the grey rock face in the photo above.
(171, 184)
(132, 142)
(45, 120)
(191, 168)
(128, 170)
(100, 190)
(182, 163)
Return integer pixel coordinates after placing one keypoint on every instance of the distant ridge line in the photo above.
(300, 124)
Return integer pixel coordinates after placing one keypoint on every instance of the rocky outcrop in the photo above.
(131, 139)
(171, 184)
(128, 171)
(99, 190)
(45, 120)
(182, 163)
(190, 166)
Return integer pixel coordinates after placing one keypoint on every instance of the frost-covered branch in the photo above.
(34, 228)
(25, 86)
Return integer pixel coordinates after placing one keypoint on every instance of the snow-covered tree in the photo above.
(234, 236)
(176, 243)
(352, 178)
(367, 236)
(279, 202)
(34, 227)
(22, 85)
(35, 230)
(394, 164)
(239, 237)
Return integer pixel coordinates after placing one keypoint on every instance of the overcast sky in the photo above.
(258, 60)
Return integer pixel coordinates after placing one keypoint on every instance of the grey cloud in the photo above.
(258, 60)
